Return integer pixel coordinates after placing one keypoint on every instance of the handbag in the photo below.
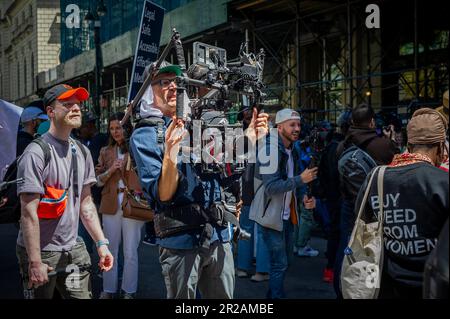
(134, 203)
(363, 258)
(53, 203)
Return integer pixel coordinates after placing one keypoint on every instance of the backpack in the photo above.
(151, 121)
(353, 166)
(10, 212)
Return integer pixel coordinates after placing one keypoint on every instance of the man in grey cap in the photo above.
(30, 119)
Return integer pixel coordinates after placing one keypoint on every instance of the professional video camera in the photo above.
(220, 80)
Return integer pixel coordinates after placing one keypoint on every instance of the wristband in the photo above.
(102, 242)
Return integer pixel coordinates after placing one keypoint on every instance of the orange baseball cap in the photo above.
(63, 92)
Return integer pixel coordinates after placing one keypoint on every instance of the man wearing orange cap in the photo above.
(416, 205)
(58, 173)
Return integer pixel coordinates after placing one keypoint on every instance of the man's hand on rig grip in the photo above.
(258, 127)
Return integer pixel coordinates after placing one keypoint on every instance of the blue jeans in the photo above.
(306, 224)
(246, 247)
(280, 246)
(346, 227)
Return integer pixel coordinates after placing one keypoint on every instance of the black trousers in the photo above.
(391, 289)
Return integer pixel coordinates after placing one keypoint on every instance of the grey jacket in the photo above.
(270, 189)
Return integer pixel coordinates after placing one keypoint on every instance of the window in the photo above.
(430, 80)
(408, 49)
(440, 41)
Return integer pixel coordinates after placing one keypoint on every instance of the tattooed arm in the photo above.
(89, 217)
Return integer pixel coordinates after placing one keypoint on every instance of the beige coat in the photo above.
(108, 155)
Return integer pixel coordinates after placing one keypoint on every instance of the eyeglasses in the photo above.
(165, 83)
(69, 105)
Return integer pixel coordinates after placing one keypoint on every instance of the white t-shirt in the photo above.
(290, 174)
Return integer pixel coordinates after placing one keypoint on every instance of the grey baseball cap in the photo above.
(286, 115)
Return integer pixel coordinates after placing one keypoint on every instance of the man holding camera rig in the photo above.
(194, 250)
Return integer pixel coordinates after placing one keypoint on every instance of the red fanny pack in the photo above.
(53, 204)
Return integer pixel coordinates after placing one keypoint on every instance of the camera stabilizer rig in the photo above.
(219, 79)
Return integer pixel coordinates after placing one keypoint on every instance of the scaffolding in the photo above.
(322, 58)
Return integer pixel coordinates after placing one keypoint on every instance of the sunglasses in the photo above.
(164, 83)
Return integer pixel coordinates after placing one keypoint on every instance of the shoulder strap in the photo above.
(363, 204)
(154, 121)
(81, 147)
(128, 167)
(45, 148)
(74, 168)
(380, 188)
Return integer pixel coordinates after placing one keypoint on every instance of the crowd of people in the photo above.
(313, 187)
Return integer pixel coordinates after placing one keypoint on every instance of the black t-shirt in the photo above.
(416, 207)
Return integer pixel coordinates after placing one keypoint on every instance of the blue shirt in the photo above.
(193, 187)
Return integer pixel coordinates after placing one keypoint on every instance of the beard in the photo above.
(290, 136)
(70, 120)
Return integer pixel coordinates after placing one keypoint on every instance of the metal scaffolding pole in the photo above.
(416, 51)
(350, 53)
(369, 69)
(297, 44)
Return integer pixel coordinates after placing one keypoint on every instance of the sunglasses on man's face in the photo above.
(164, 83)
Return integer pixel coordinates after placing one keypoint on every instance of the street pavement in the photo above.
(303, 278)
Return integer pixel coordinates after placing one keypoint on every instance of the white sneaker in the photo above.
(106, 295)
(241, 273)
(258, 277)
(307, 252)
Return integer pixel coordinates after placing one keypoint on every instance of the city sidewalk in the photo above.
(303, 280)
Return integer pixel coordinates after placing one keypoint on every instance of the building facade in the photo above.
(29, 44)
(321, 57)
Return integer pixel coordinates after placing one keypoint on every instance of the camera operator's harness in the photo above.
(178, 219)
(244, 77)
